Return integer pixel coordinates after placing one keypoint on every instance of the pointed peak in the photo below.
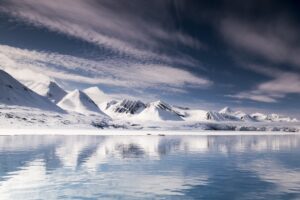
(76, 91)
(53, 83)
(226, 110)
(159, 102)
(93, 89)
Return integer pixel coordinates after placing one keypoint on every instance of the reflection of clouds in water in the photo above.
(133, 166)
(32, 182)
(123, 147)
(236, 144)
(129, 147)
(22, 184)
(120, 150)
(286, 179)
(151, 146)
(15, 143)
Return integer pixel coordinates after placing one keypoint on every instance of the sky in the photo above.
(204, 54)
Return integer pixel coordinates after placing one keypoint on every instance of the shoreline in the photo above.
(93, 132)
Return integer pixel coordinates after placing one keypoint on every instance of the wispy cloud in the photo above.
(27, 64)
(136, 30)
(281, 83)
(275, 40)
(275, 43)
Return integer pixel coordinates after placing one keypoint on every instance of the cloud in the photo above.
(32, 65)
(136, 30)
(114, 183)
(272, 90)
(251, 95)
(274, 40)
(284, 177)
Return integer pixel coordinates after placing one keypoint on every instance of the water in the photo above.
(150, 167)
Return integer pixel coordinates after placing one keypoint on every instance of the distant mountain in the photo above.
(96, 109)
(216, 116)
(273, 118)
(12, 92)
(78, 101)
(137, 110)
(227, 111)
(231, 115)
(159, 111)
(122, 109)
(191, 114)
(48, 89)
(97, 95)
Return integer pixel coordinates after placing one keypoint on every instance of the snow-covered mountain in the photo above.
(21, 106)
(137, 110)
(78, 101)
(230, 115)
(244, 116)
(273, 118)
(97, 95)
(191, 114)
(49, 89)
(226, 111)
(122, 109)
(159, 111)
(12, 92)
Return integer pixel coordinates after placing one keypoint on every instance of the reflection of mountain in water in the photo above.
(75, 151)
(129, 165)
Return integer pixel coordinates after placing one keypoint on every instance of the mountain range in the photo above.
(94, 104)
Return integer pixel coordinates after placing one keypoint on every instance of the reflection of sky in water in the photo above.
(141, 167)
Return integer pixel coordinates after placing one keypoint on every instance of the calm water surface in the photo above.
(150, 167)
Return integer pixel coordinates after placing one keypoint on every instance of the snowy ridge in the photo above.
(12, 92)
(49, 89)
(97, 95)
(159, 111)
(92, 108)
(226, 110)
(122, 109)
(78, 101)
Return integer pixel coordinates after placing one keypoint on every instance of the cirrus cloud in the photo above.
(135, 31)
(26, 65)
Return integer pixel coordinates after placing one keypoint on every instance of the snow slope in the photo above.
(22, 107)
(159, 111)
(48, 89)
(123, 109)
(231, 115)
(78, 101)
(226, 111)
(97, 95)
(139, 111)
(12, 92)
(244, 116)
(192, 115)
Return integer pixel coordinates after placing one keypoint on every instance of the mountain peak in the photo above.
(78, 101)
(12, 92)
(93, 89)
(97, 95)
(49, 89)
(161, 104)
(226, 110)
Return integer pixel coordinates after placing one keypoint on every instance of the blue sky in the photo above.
(205, 54)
